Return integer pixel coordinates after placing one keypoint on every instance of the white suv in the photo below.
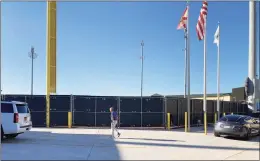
(16, 118)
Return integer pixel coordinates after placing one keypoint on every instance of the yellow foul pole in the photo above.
(51, 56)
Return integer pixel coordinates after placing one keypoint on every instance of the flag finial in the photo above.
(187, 2)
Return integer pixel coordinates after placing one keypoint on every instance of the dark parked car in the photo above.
(237, 126)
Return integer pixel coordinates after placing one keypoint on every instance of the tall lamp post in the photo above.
(142, 71)
(32, 56)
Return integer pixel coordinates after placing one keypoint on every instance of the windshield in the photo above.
(22, 108)
(234, 118)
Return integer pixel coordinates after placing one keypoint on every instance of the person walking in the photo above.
(114, 119)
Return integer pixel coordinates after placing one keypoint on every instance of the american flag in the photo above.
(200, 27)
(183, 21)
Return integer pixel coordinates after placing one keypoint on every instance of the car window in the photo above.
(22, 108)
(7, 108)
(248, 118)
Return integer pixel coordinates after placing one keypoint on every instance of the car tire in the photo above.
(2, 133)
(11, 136)
(246, 136)
(216, 134)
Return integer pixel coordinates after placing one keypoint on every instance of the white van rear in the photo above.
(16, 118)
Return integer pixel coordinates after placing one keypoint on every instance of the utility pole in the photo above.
(33, 56)
(142, 71)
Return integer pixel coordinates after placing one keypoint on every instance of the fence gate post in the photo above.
(165, 111)
(71, 110)
(119, 111)
(95, 111)
(237, 108)
(168, 121)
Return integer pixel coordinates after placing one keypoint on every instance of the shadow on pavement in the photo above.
(166, 140)
(255, 139)
(44, 145)
(188, 146)
(199, 129)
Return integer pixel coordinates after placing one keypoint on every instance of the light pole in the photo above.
(142, 71)
(33, 56)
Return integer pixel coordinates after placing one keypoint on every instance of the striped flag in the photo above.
(200, 27)
(183, 21)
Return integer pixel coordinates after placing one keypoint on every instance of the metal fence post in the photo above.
(165, 111)
(95, 111)
(119, 111)
(237, 108)
(141, 111)
(71, 109)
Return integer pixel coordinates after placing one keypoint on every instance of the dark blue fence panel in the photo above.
(103, 119)
(182, 108)
(210, 111)
(84, 119)
(226, 107)
(172, 108)
(58, 118)
(104, 103)
(196, 111)
(152, 104)
(130, 104)
(86, 104)
(245, 109)
(36, 103)
(233, 108)
(60, 103)
(240, 109)
(38, 119)
(130, 119)
(153, 119)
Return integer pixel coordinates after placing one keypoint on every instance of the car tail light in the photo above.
(16, 118)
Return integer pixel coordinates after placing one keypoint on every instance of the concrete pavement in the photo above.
(97, 144)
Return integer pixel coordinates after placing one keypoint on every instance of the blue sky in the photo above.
(98, 47)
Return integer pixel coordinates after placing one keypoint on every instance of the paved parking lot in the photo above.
(96, 144)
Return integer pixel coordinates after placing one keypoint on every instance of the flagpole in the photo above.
(185, 65)
(205, 82)
(218, 72)
(188, 66)
(0, 67)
